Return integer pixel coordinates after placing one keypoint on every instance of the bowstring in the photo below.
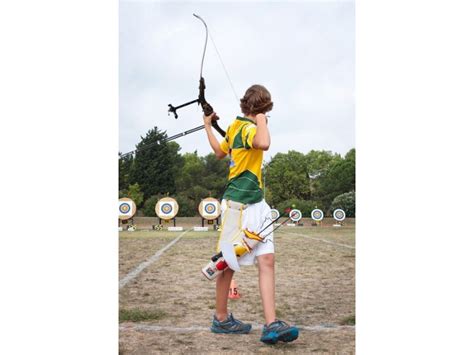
(224, 67)
(208, 33)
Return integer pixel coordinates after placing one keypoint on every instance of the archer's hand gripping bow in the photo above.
(201, 100)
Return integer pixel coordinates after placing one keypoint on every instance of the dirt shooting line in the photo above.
(137, 270)
(195, 328)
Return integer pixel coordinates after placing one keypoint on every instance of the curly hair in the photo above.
(257, 99)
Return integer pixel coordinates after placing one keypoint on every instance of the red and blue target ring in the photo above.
(210, 208)
(339, 215)
(166, 208)
(124, 208)
(317, 215)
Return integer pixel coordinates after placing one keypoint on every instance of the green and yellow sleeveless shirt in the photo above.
(245, 175)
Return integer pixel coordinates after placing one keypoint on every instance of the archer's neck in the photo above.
(252, 117)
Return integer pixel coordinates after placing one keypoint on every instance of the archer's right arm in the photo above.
(215, 145)
(262, 137)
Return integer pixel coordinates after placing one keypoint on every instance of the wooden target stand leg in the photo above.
(166, 221)
(214, 222)
(161, 227)
(210, 221)
(124, 222)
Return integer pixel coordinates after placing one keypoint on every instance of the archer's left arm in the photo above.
(215, 145)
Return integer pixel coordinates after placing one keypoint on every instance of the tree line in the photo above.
(318, 179)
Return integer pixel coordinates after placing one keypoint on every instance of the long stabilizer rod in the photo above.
(166, 140)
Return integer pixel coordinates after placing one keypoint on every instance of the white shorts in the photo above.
(254, 218)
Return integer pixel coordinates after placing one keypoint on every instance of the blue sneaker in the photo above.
(230, 326)
(278, 331)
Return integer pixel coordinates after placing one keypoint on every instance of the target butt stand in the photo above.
(317, 217)
(127, 210)
(295, 216)
(210, 211)
(339, 215)
(166, 210)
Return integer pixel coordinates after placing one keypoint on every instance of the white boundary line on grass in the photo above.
(137, 270)
(195, 328)
(321, 240)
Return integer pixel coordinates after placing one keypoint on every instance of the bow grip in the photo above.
(208, 110)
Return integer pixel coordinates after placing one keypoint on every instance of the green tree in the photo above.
(318, 162)
(153, 167)
(287, 177)
(149, 206)
(269, 196)
(215, 175)
(178, 160)
(305, 206)
(135, 194)
(125, 165)
(187, 206)
(191, 172)
(347, 202)
(338, 178)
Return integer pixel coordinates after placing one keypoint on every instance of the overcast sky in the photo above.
(303, 53)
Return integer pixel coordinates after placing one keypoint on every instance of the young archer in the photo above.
(246, 139)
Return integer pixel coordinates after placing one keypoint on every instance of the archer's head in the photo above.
(257, 99)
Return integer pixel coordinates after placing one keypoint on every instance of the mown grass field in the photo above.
(168, 306)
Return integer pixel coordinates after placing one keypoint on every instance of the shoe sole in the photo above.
(286, 336)
(289, 336)
(224, 331)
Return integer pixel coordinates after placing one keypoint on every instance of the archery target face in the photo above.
(295, 215)
(126, 208)
(274, 214)
(339, 215)
(166, 208)
(209, 208)
(317, 215)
